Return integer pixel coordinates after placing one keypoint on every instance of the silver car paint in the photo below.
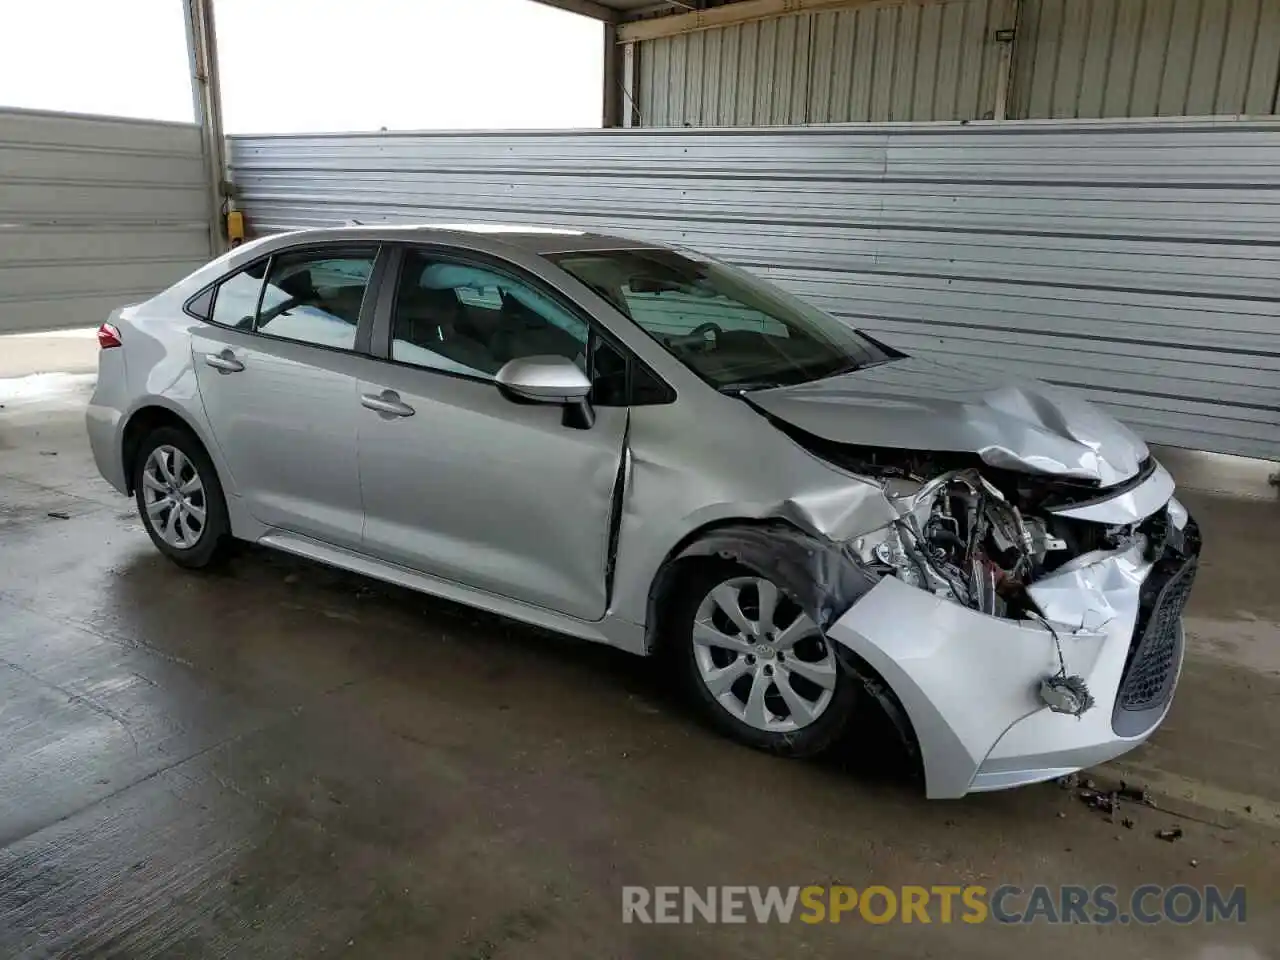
(286, 427)
(686, 480)
(1141, 501)
(524, 513)
(968, 681)
(682, 479)
(672, 471)
(925, 404)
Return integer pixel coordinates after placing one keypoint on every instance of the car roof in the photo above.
(532, 239)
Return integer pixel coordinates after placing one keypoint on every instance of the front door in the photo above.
(277, 375)
(462, 483)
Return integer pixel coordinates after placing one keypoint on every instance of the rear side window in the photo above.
(201, 305)
(314, 298)
(308, 296)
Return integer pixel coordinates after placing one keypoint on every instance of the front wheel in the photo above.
(180, 499)
(758, 665)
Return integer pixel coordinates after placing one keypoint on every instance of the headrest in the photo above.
(448, 276)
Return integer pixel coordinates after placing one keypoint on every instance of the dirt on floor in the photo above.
(279, 760)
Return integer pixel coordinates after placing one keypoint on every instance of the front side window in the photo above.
(732, 329)
(467, 319)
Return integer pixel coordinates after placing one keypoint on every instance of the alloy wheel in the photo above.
(761, 657)
(173, 497)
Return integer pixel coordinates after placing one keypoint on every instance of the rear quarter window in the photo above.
(237, 298)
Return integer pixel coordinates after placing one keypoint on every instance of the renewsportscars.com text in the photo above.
(1066, 904)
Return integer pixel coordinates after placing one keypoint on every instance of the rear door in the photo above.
(277, 368)
(458, 480)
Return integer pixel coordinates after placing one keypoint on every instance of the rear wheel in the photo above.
(758, 665)
(180, 499)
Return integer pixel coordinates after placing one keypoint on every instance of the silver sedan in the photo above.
(652, 449)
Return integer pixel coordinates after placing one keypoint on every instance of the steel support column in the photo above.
(613, 92)
(202, 54)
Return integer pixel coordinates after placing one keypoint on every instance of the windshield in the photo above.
(735, 331)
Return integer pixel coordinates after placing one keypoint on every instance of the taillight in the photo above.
(108, 336)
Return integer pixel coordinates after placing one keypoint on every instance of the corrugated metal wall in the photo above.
(95, 212)
(892, 62)
(755, 74)
(1141, 58)
(940, 61)
(1138, 262)
(935, 61)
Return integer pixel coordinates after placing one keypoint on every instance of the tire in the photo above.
(189, 541)
(790, 650)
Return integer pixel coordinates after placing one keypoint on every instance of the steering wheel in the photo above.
(698, 336)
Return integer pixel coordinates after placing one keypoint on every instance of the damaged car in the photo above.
(645, 447)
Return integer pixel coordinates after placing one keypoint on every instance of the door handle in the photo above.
(387, 402)
(224, 362)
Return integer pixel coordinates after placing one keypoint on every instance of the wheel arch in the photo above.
(149, 416)
(682, 554)
(818, 575)
(814, 571)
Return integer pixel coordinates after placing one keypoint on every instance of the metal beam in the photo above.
(1007, 77)
(612, 91)
(744, 11)
(587, 8)
(206, 91)
(630, 109)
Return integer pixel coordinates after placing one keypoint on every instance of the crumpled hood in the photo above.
(918, 404)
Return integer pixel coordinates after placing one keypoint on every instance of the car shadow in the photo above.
(871, 752)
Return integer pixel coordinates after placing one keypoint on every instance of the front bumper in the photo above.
(969, 682)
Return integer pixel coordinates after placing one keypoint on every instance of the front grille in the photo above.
(1154, 655)
(1156, 648)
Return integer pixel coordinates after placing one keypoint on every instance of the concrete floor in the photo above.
(284, 761)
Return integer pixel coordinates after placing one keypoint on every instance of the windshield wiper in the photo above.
(746, 386)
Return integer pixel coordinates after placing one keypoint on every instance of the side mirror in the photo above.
(544, 380)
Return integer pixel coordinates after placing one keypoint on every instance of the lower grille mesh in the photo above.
(1150, 672)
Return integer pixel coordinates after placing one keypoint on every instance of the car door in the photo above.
(461, 482)
(277, 368)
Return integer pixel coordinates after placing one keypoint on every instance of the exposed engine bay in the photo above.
(960, 537)
(1024, 545)
(980, 535)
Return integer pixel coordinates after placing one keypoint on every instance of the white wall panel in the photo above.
(95, 212)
